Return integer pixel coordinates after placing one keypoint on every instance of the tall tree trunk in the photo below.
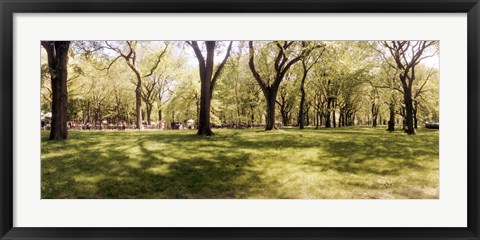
(149, 112)
(327, 114)
(95, 116)
(307, 115)
(118, 114)
(334, 118)
(391, 121)
(321, 119)
(253, 116)
(374, 114)
(284, 118)
(57, 52)
(204, 127)
(270, 100)
(160, 115)
(301, 111)
(408, 111)
(197, 105)
(138, 103)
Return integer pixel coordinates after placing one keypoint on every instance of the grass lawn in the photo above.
(336, 163)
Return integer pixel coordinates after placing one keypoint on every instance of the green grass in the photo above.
(341, 163)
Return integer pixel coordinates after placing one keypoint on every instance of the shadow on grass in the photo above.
(96, 169)
(373, 153)
(362, 158)
(234, 164)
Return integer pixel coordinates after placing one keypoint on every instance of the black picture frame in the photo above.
(9, 7)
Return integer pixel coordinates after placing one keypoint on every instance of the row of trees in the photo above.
(321, 83)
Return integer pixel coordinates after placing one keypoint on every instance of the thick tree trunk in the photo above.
(301, 111)
(119, 114)
(197, 104)
(57, 52)
(270, 100)
(374, 115)
(307, 115)
(320, 119)
(327, 114)
(138, 95)
(204, 127)
(138, 104)
(252, 116)
(149, 112)
(408, 113)
(391, 121)
(95, 116)
(285, 118)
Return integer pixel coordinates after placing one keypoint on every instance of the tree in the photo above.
(385, 86)
(307, 64)
(270, 83)
(129, 53)
(407, 55)
(287, 95)
(208, 79)
(420, 89)
(184, 98)
(57, 56)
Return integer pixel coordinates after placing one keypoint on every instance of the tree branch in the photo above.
(158, 61)
(220, 67)
(251, 64)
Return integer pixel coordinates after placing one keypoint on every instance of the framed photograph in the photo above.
(239, 119)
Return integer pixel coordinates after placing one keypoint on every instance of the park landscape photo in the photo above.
(240, 119)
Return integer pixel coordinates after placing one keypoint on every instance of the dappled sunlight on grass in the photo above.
(348, 162)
